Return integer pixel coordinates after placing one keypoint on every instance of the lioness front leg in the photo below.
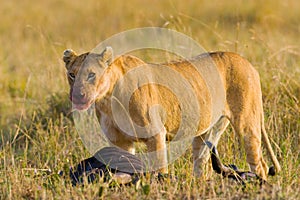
(126, 145)
(157, 151)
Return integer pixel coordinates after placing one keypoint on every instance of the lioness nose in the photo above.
(81, 94)
(78, 94)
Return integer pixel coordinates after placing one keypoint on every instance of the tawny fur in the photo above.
(243, 107)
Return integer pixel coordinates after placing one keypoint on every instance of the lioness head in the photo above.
(87, 76)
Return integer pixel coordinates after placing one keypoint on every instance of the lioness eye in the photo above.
(91, 75)
(72, 76)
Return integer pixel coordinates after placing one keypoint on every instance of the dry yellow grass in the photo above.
(36, 133)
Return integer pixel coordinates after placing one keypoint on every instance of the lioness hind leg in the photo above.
(254, 156)
(201, 151)
(251, 134)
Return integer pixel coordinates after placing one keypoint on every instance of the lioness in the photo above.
(97, 77)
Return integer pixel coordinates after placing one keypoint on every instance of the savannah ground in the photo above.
(37, 132)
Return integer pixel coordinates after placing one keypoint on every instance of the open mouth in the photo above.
(81, 105)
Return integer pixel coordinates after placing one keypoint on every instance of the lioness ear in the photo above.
(69, 55)
(107, 55)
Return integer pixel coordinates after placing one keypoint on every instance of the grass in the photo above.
(37, 133)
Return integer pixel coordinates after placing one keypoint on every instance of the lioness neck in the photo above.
(120, 66)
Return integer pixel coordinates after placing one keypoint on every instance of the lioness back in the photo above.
(240, 81)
